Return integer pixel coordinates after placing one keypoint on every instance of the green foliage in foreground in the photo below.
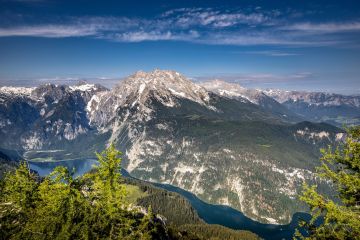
(336, 219)
(63, 207)
(97, 206)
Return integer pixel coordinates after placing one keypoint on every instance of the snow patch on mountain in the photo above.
(232, 90)
(136, 91)
(26, 91)
(165, 84)
(93, 103)
(83, 87)
(181, 94)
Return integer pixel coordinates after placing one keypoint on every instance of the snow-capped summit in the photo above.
(25, 91)
(162, 82)
(255, 96)
(138, 90)
(135, 90)
(233, 90)
(170, 132)
(83, 87)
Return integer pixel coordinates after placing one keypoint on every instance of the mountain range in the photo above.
(245, 148)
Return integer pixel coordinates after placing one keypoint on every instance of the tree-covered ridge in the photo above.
(98, 205)
(174, 207)
(339, 219)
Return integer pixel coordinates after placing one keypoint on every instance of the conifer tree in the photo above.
(333, 219)
(18, 199)
(60, 206)
(107, 194)
(62, 209)
(107, 188)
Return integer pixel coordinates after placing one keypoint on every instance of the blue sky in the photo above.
(299, 45)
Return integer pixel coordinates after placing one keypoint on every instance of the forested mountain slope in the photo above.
(250, 155)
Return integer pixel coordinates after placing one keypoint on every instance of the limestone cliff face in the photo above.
(227, 144)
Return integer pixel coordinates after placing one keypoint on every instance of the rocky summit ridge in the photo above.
(227, 144)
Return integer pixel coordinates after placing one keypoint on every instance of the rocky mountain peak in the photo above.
(233, 90)
(159, 79)
(162, 83)
(169, 132)
(49, 90)
(134, 98)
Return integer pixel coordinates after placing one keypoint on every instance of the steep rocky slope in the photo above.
(255, 96)
(46, 117)
(227, 150)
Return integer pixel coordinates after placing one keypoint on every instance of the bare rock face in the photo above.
(225, 143)
(37, 118)
(255, 96)
(136, 90)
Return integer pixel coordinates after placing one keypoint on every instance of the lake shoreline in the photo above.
(210, 213)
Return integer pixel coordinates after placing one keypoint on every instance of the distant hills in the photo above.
(245, 148)
(332, 108)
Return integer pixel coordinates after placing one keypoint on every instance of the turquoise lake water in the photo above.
(212, 214)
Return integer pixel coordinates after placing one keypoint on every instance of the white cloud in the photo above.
(258, 77)
(273, 53)
(324, 27)
(49, 31)
(74, 27)
(143, 36)
(58, 79)
(108, 82)
(139, 36)
(208, 17)
(265, 37)
(203, 26)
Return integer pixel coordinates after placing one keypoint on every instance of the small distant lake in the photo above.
(212, 214)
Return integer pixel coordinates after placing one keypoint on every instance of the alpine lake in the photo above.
(210, 213)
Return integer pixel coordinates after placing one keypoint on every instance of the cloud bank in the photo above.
(198, 25)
